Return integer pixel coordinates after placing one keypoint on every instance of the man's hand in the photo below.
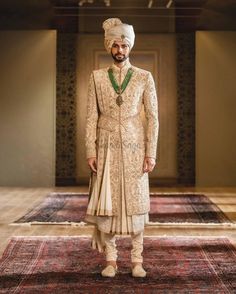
(92, 162)
(148, 164)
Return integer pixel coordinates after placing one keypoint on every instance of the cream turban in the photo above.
(115, 30)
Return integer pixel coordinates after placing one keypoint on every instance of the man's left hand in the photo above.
(148, 164)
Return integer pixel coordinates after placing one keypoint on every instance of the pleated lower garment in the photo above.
(99, 211)
(100, 203)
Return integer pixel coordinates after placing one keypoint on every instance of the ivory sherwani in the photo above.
(116, 136)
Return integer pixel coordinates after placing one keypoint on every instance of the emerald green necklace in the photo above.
(120, 89)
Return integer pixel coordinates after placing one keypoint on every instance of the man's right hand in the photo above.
(92, 162)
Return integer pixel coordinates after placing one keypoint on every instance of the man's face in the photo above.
(120, 51)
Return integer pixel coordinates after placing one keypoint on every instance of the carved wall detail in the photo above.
(186, 107)
(66, 109)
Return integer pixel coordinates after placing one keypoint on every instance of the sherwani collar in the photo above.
(123, 69)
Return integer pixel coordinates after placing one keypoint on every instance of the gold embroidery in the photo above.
(105, 119)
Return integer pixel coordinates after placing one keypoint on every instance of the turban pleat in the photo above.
(115, 30)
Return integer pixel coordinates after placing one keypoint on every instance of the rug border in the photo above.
(231, 223)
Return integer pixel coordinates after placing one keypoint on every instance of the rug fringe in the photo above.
(79, 224)
(192, 224)
(149, 224)
(69, 193)
(20, 224)
(118, 237)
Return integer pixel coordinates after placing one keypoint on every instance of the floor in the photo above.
(16, 201)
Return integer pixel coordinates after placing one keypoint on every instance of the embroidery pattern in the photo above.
(127, 153)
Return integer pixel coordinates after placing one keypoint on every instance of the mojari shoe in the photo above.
(109, 271)
(138, 271)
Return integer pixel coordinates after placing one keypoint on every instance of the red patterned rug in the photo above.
(185, 208)
(165, 208)
(68, 265)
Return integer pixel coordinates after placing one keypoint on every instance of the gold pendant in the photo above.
(119, 100)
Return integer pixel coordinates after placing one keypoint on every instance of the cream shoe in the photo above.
(138, 271)
(109, 271)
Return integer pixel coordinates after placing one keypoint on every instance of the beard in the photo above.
(119, 57)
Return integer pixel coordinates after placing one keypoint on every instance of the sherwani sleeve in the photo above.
(151, 113)
(91, 120)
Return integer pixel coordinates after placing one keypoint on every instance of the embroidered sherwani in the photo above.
(119, 192)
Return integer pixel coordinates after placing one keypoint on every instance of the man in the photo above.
(120, 152)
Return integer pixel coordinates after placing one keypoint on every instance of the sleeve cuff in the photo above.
(91, 153)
